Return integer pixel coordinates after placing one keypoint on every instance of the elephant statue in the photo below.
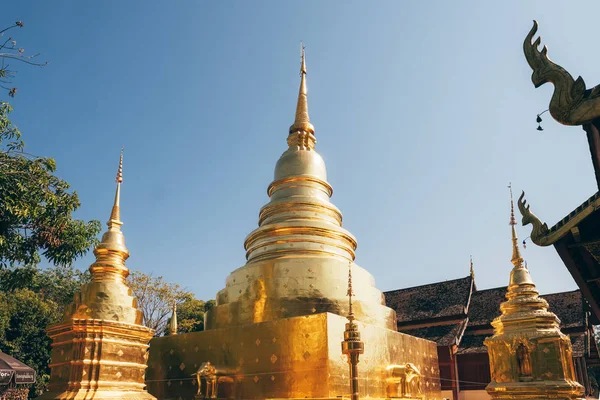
(403, 381)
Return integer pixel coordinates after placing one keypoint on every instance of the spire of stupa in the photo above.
(517, 260)
(520, 273)
(302, 120)
(352, 346)
(173, 321)
(115, 214)
(529, 356)
(111, 253)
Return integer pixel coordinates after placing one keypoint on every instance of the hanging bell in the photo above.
(538, 119)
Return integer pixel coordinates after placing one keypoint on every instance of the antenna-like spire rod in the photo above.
(350, 293)
(517, 260)
(352, 345)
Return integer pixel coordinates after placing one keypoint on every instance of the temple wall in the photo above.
(296, 357)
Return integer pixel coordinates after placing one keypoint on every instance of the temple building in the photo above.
(280, 319)
(458, 316)
(99, 349)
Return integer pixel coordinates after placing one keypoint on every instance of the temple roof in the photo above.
(443, 335)
(456, 313)
(436, 300)
(568, 307)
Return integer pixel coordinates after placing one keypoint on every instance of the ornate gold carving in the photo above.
(571, 103)
(540, 229)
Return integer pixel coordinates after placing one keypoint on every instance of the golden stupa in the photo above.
(279, 321)
(530, 358)
(99, 350)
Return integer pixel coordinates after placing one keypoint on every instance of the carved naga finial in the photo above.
(571, 103)
(540, 229)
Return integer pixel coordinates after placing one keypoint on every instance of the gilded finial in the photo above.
(302, 120)
(517, 260)
(472, 271)
(302, 59)
(111, 252)
(119, 178)
(115, 215)
(173, 321)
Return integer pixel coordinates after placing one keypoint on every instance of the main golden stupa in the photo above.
(279, 321)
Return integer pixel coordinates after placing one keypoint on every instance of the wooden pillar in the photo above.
(593, 135)
(454, 372)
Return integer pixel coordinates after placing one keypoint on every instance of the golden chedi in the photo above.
(99, 350)
(297, 258)
(530, 358)
(278, 323)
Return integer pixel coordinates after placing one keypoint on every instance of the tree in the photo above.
(9, 51)
(30, 300)
(36, 206)
(190, 315)
(27, 315)
(155, 298)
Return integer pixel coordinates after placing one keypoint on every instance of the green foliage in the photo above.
(190, 315)
(36, 207)
(155, 298)
(28, 315)
(30, 300)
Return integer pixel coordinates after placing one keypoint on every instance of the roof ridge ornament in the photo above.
(571, 103)
(472, 270)
(540, 229)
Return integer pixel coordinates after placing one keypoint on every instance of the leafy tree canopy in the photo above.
(155, 297)
(30, 300)
(36, 206)
(190, 315)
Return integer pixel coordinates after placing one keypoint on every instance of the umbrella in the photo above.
(14, 371)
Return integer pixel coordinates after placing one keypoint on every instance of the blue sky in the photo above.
(424, 111)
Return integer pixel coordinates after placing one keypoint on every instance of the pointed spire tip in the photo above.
(302, 120)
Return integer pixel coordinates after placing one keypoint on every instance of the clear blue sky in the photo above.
(424, 111)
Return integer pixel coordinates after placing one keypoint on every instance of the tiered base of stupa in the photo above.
(98, 359)
(291, 358)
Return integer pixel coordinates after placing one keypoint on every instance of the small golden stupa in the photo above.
(99, 350)
(278, 323)
(530, 358)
